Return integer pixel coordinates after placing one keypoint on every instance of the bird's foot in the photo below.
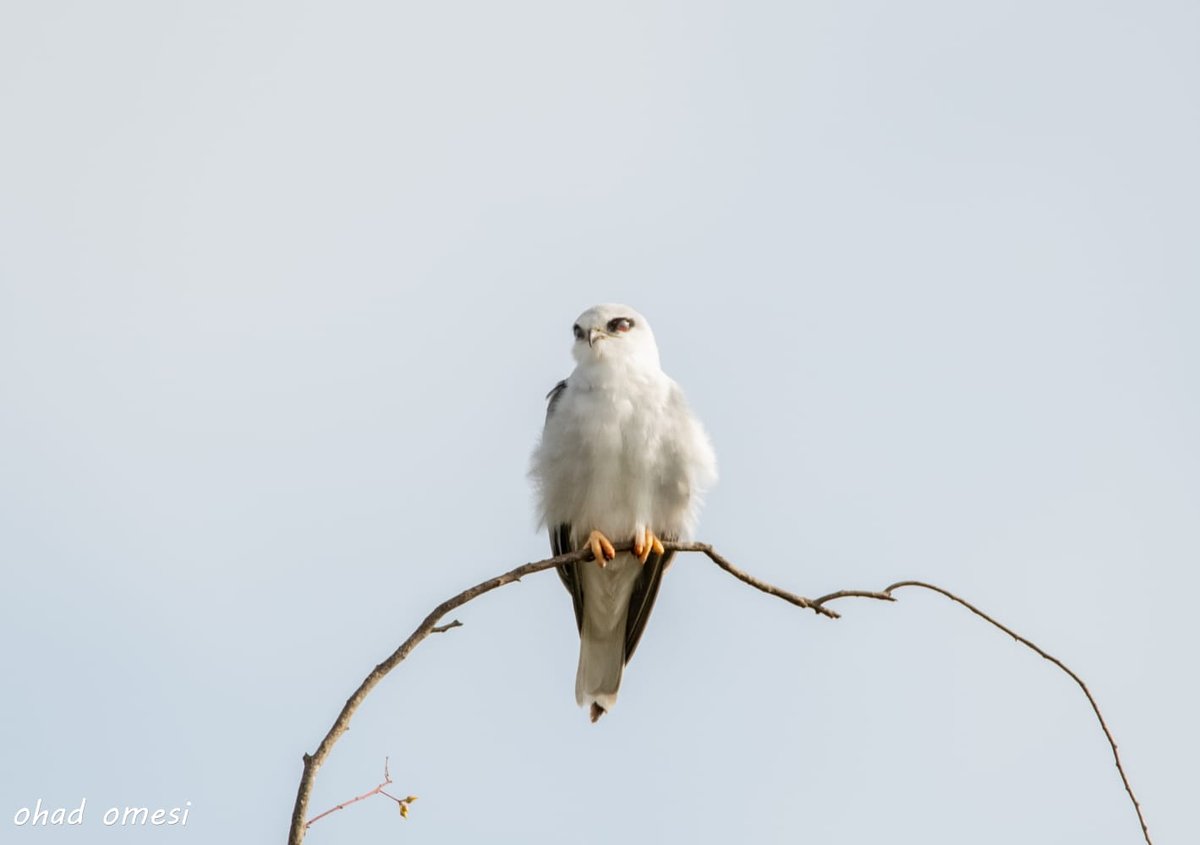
(597, 712)
(602, 549)
(645, 542)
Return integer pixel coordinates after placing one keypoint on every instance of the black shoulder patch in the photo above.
(554, 394)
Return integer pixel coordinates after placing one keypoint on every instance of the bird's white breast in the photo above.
(602, 457)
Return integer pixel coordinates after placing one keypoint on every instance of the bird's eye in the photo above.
(578, 331)
(620, 324)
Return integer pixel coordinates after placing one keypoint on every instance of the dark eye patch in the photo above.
(620, 324)
(578, 331)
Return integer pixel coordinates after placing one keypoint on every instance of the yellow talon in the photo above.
(602, 549)
(646, 544)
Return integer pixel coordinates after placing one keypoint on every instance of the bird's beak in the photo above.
(593, 334)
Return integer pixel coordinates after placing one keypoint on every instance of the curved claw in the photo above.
(645, 543)
(602, 549)
(659, 549)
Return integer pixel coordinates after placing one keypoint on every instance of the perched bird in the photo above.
(621, 458)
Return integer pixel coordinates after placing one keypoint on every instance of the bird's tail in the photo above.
(601, 661)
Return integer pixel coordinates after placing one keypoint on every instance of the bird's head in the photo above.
(614, 334)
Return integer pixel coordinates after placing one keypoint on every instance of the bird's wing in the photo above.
(560, 535)
(560, 543)
(641, 601)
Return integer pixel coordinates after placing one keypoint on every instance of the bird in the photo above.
(621, 458)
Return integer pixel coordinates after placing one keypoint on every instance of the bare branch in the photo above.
(314, 761)
(851, 594)
(746, 578)
(1112, 743)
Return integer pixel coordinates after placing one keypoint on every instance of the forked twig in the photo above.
(378, 790)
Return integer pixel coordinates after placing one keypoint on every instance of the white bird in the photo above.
(621, 457)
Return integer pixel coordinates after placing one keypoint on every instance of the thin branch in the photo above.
(378, 790)
(1112, 743)
(816, 606)
(851, 594)
(314, 761)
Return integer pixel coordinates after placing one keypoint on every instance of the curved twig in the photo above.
(313, 762)
(815, 605)
(1112, 743)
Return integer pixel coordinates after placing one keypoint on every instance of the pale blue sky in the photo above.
(282, 286)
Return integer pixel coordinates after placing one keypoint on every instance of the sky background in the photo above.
(283, 286)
